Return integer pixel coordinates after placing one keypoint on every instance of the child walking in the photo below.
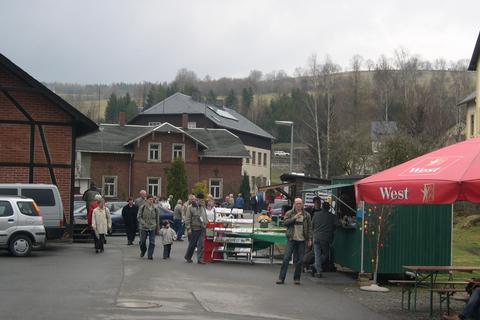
(168, 236)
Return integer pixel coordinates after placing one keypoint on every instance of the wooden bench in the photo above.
(407, 287)
(445, 294)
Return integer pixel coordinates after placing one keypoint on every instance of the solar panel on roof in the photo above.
(223, 113)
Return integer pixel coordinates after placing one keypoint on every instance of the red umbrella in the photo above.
(439, 177)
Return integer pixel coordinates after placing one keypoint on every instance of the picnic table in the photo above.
(426, 276)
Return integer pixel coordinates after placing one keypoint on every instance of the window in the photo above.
(110, 186)
(5, 209)
(154, 185)
(178, 151)
(9, 192)
(259, 160)
(43, 197)
(215, 187)
(247, 160)
(26, 208)
(253, 157)
(264, 159)
(472, 125)
(154, 151)
(192, 124)
(154, 123)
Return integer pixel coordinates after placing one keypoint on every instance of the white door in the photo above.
(8, 221)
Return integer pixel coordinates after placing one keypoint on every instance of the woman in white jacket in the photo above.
(101, 224)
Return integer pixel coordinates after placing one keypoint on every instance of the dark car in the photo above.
(118, 225)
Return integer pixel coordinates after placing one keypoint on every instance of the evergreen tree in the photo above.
(177, 180)
(245, 189)
(112, 109)
(211, 97)
(122, 104)
(247, 98)
(231, 100)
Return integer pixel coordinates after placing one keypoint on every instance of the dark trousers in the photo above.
(297, 248)
(131, 230)
(178, 226)
(143, 242)
(196, 239)
(472, 308)
(99, 241)
(166, 250)
(95, 239)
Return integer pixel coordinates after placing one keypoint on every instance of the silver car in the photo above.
(21, 225)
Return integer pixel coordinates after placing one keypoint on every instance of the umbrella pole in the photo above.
(363, 238)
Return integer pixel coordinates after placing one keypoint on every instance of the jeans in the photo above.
(321, 251)
(298, 250)
(179, 227)
(151, 242)
(196, 239)
(472, 309)
(166, 250)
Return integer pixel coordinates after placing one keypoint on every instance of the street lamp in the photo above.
(288, 124)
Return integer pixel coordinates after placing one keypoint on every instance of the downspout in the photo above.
(130, 161)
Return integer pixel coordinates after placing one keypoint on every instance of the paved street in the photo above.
(69, 281)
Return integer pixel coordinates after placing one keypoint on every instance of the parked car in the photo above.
(281, 153)
(277, 209)
(118, 225)
(79, 212)
(21, 225)
(47, 197)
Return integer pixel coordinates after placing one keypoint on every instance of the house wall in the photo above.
(471, 111)
(143, 168)
(477, 102)
(229, 170)
(16, 137)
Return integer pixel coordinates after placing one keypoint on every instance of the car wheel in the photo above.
(20, 246)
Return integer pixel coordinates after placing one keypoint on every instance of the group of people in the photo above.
(303, 232)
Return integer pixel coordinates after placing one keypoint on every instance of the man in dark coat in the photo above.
(89, 194)
(323, 228)
(129, 215)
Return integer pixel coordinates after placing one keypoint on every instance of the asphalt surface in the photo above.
(70, 281)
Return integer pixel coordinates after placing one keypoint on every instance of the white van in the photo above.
(47, 197)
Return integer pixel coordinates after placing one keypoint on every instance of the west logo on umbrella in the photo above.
(430, 166)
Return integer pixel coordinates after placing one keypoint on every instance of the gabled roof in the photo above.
(221, 143)
(223, 117)
(475, 56)
(110, 138)
(83, 124)
(116, 139)
(471, 97)
(164, 127)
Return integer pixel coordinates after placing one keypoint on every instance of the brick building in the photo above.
(124, 159)
(181, 110)
(38, 130)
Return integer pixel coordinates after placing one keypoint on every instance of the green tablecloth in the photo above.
(271, 237)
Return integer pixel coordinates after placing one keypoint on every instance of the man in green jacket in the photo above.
(299, 224)
(196, 223)
(148, 225)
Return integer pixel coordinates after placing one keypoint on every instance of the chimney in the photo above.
(185, 120)
(121, 119)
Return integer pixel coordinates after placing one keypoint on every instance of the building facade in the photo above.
(182, 111)
(38, 130)
(472, 123)
(123, 159)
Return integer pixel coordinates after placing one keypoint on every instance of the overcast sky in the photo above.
(91, 41)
